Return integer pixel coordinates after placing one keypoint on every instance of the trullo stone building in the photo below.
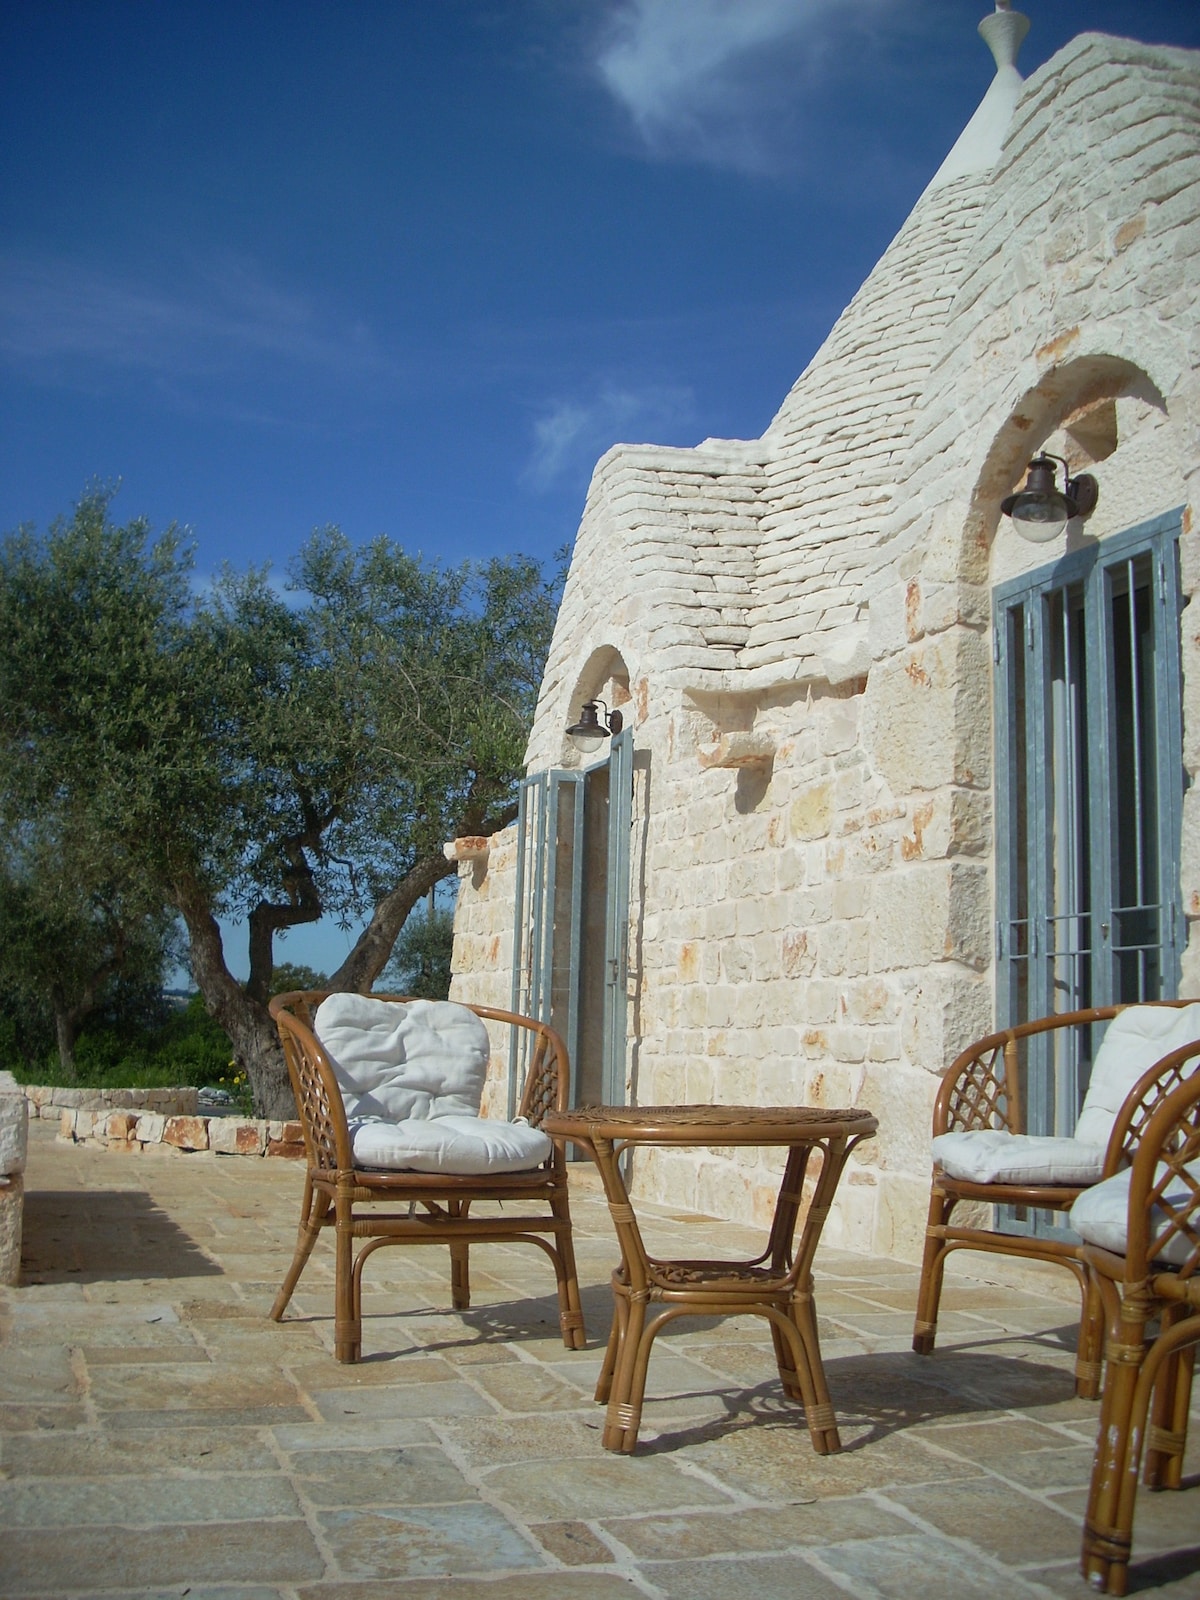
(891, 773)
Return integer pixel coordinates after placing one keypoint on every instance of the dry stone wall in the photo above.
(136, 1132)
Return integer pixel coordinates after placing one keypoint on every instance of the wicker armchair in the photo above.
(1141, 1231)
(412, 1207)
(983, 1091)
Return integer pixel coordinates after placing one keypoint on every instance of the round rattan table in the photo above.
(777, 1284)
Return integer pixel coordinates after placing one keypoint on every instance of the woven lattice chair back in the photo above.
(1164, 1220)
(315, 1085)
(546, 1081)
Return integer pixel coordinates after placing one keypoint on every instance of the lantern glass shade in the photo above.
(588, 734)
(1040, 517)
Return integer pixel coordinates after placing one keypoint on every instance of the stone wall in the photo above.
(135, 1132)
(14, 1136)
(51, 1100)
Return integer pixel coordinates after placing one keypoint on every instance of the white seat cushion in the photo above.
(452, 1144)
(991, 1155)
(1135, 1040)
(426, 1058)
(1101, 1214)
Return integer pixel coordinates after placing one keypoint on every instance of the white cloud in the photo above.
(63, 320)
(571, 434)
(708, 79)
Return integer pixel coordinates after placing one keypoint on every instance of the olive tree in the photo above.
(267, 756)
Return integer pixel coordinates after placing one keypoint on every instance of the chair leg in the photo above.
(1089, 1351)
(1166, 1437)
(1108, 1521)
(933, 1264)
(314, 1208)
(570, 1307)
(347, 1307)
(460, 1277)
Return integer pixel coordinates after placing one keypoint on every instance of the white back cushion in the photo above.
(1136, 1039)
(419, 1060)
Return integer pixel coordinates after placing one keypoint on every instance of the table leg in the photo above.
(616, 1335)
(818, 1411)
(624, 1414)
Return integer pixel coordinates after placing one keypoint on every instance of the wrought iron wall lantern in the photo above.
(1039, 512)
(589, 733)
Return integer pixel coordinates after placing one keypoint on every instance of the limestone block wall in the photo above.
(483, 946)
(813, 884)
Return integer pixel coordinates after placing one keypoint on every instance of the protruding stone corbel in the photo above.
(739, 750)
(474, 848)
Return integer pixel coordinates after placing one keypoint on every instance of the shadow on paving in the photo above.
(102, 1235)
(875, 1396)
(1155, 1571)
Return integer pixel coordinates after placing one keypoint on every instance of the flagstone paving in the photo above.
(160, 1437)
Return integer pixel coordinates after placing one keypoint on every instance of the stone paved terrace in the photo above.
(162, 1438)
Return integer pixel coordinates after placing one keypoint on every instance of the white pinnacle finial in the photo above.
(979, 145)
(1002, 33)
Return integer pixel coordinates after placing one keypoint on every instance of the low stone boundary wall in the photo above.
(14, 1138)
(135, 1131)
(51, 1100)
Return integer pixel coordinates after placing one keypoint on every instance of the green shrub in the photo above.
(185, 1047)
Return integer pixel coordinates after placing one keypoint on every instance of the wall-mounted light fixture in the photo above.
(589, 733)
(1039, 511)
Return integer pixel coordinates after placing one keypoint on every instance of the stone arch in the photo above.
(603, 676)
(1064, 391)
(1061, 392)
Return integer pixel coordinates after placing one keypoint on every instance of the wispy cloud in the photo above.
(64, 321)
(708, 80)
(571, 434)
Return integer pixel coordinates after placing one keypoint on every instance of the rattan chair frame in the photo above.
(981, 1090)
(1148, 1370)
(418, 1207)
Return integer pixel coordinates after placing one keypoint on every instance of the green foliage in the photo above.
(291, 975)
(183, 1046)
(420, 963)
(74, 941)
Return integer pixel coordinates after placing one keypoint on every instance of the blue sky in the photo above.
(410, 267)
